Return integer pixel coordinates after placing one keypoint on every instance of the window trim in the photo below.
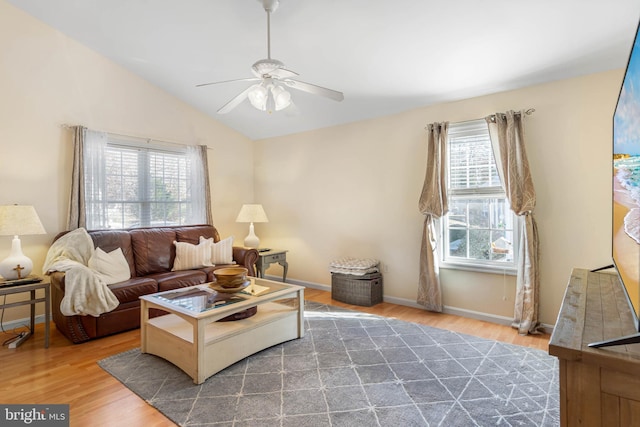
(472, 128)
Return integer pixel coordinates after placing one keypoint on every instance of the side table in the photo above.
(31, 288)
(266, 258)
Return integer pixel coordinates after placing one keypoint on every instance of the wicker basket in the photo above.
(358, 290)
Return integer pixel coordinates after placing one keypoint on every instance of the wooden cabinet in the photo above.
(598, 386)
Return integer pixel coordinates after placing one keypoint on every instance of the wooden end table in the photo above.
(266, 258)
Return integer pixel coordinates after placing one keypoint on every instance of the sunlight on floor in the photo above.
(340, 315)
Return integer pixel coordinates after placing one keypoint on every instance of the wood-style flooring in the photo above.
(68, 373)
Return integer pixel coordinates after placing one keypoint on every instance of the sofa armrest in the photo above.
(247, 258)
(70, 326)
(56, 278)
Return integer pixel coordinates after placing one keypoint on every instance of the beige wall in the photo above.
(352, 190)
(46, 80)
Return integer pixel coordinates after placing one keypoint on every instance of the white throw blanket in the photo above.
(85, 292)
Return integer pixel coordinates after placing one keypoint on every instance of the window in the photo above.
(478, 231)
(132, 184)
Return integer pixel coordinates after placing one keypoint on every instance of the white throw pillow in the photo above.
(221, 252)
(190, 256)
(112, 267)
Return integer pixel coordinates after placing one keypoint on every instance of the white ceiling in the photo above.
(386, 56)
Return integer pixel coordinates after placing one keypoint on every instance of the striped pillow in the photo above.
(222, 251)
(190, 256)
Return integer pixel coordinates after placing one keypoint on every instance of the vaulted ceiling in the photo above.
(385, 56)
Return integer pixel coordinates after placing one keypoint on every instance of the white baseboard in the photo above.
(462, 312)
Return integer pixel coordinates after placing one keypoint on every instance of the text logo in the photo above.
(34, 415)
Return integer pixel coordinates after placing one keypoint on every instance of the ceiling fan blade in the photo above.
(283, 73)
(314, 89)
(235, 101)
(248, 79)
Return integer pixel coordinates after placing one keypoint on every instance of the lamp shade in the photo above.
(252, 213)
(19, 220)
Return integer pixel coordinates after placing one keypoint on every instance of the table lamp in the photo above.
(16, 220)
(252, 213)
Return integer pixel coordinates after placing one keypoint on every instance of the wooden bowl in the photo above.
(230, 277)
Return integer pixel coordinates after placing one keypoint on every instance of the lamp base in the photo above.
(251, 241)
(16, 265)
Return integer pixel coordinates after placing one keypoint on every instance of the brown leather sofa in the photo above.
(150, 253)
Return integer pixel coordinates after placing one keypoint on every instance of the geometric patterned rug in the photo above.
(357, 369)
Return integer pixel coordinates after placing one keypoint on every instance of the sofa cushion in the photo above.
(127, 317)
(178, 279)
(153, 250)
(208, 271)
(130, 290)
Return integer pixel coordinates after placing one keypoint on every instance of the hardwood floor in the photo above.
(68, 373)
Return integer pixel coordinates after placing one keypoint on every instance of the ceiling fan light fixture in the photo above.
(281, 97)
(258, 97)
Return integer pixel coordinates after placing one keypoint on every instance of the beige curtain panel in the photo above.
(507, 138)
(432, 204)
(77, 216)
(202, 151)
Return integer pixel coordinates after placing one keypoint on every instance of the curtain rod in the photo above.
(527, 112)
(147, 140)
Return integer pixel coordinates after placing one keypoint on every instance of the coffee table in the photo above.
(191, 337)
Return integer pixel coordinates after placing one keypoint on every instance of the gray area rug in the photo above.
(356, 369)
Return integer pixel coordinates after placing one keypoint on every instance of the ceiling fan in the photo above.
(271, 94)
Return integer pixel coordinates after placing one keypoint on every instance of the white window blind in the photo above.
(140, 185)
(471, 163)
